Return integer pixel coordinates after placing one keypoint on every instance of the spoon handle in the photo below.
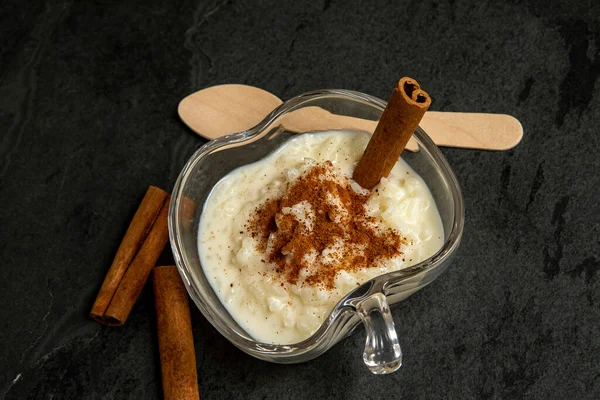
(447, 129)
(472, 130)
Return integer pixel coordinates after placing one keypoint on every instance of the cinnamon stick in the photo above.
(187, 208)
(404, 111)
(137, 274)
(134, 237)
(175, 338)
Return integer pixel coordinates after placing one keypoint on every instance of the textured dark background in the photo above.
(88, 93)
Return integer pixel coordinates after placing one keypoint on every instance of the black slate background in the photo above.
(88, 95)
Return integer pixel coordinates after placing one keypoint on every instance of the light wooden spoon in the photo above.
(220, 110)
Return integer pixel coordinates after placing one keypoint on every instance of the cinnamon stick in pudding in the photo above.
(137, 232)
(137, 274)
(404, 111)
(175, 338)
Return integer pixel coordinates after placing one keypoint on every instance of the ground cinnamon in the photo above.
(402, 115)
(137, 232)
(321, 226)
(175, 338)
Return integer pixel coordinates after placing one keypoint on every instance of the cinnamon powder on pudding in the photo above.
(320, 227)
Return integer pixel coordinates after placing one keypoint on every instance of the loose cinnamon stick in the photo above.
(404, 111)
(137, 274)
(175, 338)
(134, 237)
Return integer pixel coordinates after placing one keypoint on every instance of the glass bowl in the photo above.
(368, 303)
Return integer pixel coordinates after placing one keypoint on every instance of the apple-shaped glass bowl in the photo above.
(369, 303)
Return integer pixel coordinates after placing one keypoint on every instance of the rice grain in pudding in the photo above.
(282, 240)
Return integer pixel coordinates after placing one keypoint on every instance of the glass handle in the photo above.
(382, 353)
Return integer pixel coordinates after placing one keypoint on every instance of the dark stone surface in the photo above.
(88, 92)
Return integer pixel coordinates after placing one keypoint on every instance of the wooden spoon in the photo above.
(220, 110)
